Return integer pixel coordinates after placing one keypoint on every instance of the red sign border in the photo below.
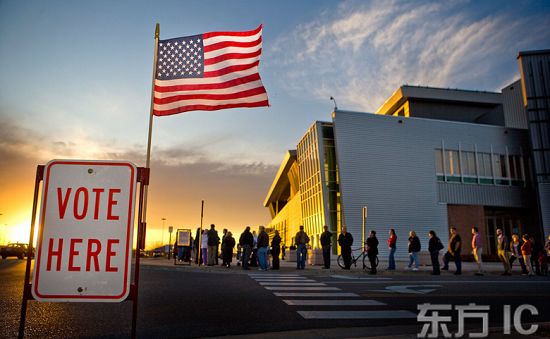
(129, 241)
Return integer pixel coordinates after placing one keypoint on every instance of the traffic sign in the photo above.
(85, 238)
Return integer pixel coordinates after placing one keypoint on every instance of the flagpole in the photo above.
(148, 161)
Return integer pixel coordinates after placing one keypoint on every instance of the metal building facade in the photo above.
(388, 164)
(535, 82)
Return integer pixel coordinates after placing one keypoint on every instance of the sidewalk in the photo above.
(468, 268)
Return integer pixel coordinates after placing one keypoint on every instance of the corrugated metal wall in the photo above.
(486, 195)
(515, 114)
(388, 164)
(535, 81)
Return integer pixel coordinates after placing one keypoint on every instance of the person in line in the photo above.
(434, 246)
(392, 247)
(213, 241)
(372, 251)
(197, 246)
(414, 248)
(477, 249)
(536, 248)
(454, 250)
(345, 240)
(254, 256)
(326, 242)
(544, 257)
(223, 240)
(301, 241)
(515, 250)
(543, 262)
(526, 252)
(263, 244)
(204, 247)
(276, 249)
(502, 251)
(227, 249)
(246, 241)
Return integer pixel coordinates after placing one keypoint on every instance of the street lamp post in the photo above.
(162, 242)
(170, 229)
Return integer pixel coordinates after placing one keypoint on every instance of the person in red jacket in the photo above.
(526, 253)
(392, 246)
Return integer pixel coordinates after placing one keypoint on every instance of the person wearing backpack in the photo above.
(434, 246)
(301, 241)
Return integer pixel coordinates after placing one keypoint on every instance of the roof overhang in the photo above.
(281, 178)
(404, 93)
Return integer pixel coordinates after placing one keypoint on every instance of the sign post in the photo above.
(85, 233)
(183, 242)
(170, 229)
(364, 215)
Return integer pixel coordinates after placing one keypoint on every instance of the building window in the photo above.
(469, 167)
(452, 166)
(485, 170)
(440, 172)
(501, 170)
(477, 167)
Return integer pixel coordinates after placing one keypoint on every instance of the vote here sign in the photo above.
(84, 248)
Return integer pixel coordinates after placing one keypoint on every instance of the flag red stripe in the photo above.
(230, 69)
(209, 107)
(220, 85)
(213, 34)
(223, 44)
(237, 95)
(227, 56)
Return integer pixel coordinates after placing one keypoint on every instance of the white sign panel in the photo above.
(85, 236)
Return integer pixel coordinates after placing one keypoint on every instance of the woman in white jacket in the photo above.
(204, 246)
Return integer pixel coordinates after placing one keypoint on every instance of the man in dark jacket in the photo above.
(213, 241)
(372, 251)
(454, 250)
(345, 240)
(227, 249)
(246, 241)
(263, 244)
(434, 246)
(276, 249)
(326, 242)
(223, 240)
(301, 239)
(197, 246)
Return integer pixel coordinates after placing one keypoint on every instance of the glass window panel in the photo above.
(452, 163)
(485, 165)
(438, 161)
(468, 164)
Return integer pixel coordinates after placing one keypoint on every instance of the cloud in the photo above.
(362, 52)
(180, 179)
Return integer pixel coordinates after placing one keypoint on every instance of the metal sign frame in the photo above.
(142, 179)
(190, 244)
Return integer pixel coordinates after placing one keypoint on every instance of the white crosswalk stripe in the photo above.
(390, 314)
(328, 302)
(291, 286)
(301, 288)
(265, 283)
(316, 294)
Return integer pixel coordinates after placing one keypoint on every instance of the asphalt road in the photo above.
(189, 302)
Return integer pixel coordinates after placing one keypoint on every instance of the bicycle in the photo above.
(362, 255)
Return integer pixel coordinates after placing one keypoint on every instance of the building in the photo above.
(427, 159)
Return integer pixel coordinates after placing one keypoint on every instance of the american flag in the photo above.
(208, 72)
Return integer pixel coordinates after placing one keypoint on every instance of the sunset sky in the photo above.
(76, 80)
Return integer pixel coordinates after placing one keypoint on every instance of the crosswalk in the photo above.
(300, 291)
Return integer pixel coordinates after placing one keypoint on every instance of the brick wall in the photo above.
(464, 217)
